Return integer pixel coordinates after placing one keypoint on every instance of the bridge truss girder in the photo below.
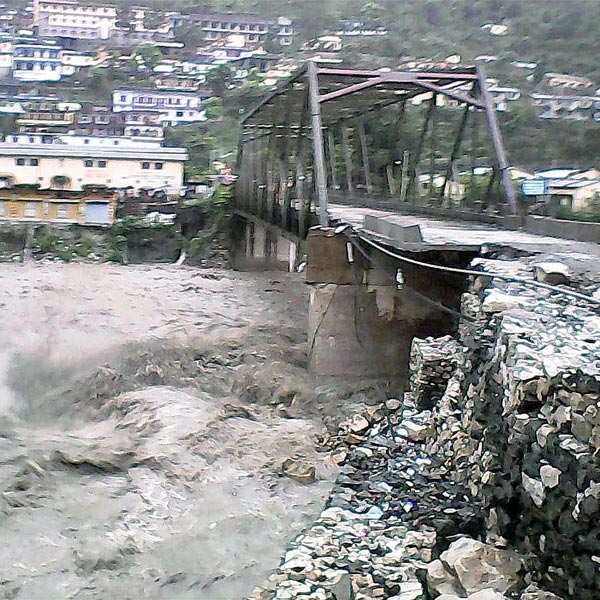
(290, 143)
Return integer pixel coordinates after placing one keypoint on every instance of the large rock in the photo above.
(552, 273)
(496, 301)
(487, 594)
(299, 470)
(534, 593)
(479, 566)
(440, 580)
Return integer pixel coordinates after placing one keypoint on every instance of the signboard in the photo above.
(534, 187)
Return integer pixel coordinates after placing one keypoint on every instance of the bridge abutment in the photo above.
(258, 246)
(365, 309)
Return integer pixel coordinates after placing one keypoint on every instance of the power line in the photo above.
(515, 278)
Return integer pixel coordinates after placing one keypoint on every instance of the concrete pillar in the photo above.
(361, 321)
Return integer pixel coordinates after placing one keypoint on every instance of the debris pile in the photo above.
(493, 451)
(393, 527)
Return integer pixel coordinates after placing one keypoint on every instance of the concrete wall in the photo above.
(257, 246)
(571, 230)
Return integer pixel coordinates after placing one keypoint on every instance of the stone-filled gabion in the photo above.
(432, 363)
(524, 429)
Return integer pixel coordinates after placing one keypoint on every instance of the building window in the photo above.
(179, 113)
(30, 210)
(102, 164)
(158, 165)
(123, 98)
(62, 211)
(20, 162)
(145, 165)
(15, 138)
(34, 162)
(86, 141)
(88, 163)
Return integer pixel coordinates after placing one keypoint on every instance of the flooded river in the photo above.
(145, 412)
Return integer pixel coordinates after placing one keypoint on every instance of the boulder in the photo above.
(299, 470)
(496, 301)
(342, 587)
(479, 566)
(534, 489)
(487, 594)
(440, 580)
(552, 273)
(533, 592)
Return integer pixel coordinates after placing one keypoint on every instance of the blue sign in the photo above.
(535, 187)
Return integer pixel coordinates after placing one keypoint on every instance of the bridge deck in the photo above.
(471, 235)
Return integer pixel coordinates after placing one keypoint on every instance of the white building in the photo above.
(175, 107)
(255, 30)
(36, 61)
(69, 18)
(72, 162)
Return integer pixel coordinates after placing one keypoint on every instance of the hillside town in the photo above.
(153, 76)
(300, 300)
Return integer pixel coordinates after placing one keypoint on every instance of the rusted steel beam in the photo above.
(281, 89)
(346, 91)
(455, 149)
(318, 150)
(502, 159)
(419, 150)
(302, 201)
(451, 94)
(467, 75)
(347, 157)
(364, 152)
(379, 106)
(432, 143)
(284, 168)
(474, 150)
(332, 158)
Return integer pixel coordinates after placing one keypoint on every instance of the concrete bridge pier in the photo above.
(259, 246)
(365, 311)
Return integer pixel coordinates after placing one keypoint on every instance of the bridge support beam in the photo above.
(361, 320)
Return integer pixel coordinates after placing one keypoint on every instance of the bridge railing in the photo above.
(391, 139)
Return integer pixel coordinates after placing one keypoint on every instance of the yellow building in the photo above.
(72, 162)
(29, 204)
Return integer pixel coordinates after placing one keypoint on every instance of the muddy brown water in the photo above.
(139, 453)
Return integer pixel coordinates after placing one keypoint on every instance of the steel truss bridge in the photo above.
(318, 139)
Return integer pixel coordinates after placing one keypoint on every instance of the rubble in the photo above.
(432, 363)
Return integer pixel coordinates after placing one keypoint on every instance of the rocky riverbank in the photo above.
(479, 482)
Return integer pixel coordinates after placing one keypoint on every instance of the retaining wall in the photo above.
(519, 424)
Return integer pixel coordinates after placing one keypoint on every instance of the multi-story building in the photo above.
(142, 124)
(96, 205)
(47, 116)
(174, 107)
(254, 29)
(71, 162)
(577, 108)
(35, 60)
(69, 18)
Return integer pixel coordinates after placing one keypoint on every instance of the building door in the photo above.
(97, 213)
